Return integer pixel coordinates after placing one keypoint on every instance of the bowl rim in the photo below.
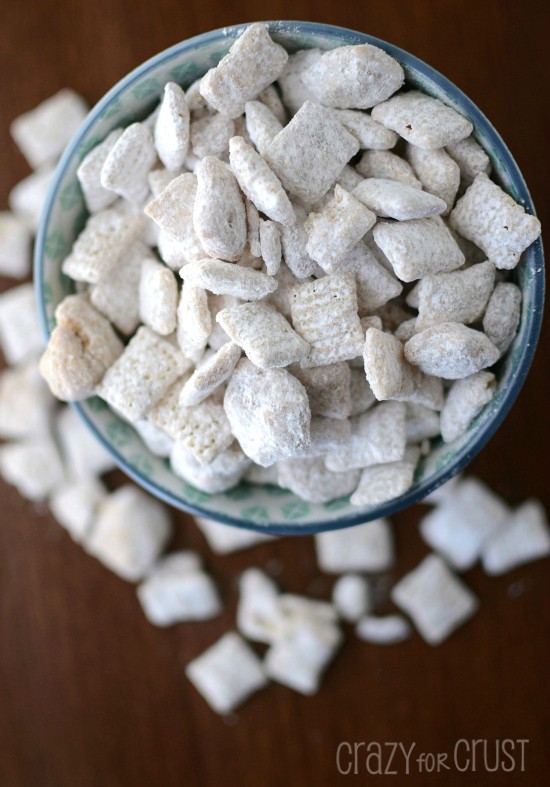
(534, 316)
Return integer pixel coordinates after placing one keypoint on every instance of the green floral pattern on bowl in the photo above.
(269, 507)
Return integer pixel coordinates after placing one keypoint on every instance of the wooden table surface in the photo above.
(91, 695)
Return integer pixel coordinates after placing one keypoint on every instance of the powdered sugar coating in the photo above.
(370, 134)
(219, 215)
(383, 482)
(502, 315)
(310, 152)
(268, 411)
(129, 161)
(391, 199)
(253, 62)
(158, 297)
(491, 219)
(437, 171)
(258, 182)
(328, 389)
(470, 157)
(385, 164)
(225, 278)
(418, 247)
(309, 479)
(171, 132)
(265, 336)
(422, 120)
(355, 76)
(210, 375)
(324, 313)
(451, 350)
(377, 437)
(460, 296)
(270, 246)
(210, 135)
(465, 399)
(262, 125)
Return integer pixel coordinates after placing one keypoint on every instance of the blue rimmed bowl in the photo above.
(263, 507)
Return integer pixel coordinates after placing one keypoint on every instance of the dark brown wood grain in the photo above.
(90, 693)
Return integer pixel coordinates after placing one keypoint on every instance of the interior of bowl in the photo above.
(265, 507)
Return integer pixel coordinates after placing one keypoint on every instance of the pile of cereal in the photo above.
(49, 455)
(338, 307)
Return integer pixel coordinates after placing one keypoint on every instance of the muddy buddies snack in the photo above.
(256, 297)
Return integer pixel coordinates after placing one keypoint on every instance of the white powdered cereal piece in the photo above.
(142, 374)
(406, 330)
(502, 315)
(33, 466)
(15, 246)
(253, 231)
(259, 183)
(98, 249)
(461, 525)
(96, 196)
(375, 284)
(270, 97)
(210, 135)
(286, 280)
(128, 164)
(361, 395)
(380, 483)
(117, 294)
(337, 229)
(81, 348)
(451, 350)
(224, 539)
(309, 478)
(471, 159)
(460, 296)
(204, 431)
(158, 297)
(300, 609)
(388, 373)
(422, 120)
(259, 616)
(156, 440)
(310, 152)
(327, 434)
(293, 242)
(27, 198)
(395, 200)
(20, 335)
(222, 474)
(356, 77)
(370, 134)
(491, 219)
(253, 62)
(219, 215)
(177, 590)
(324, 313)
(465, 399)
(74, 505)
(83, 454)
(42, 133)
(299, 659)
(270, 246)
(437, 171)
(351, 596)
(293, 89)
(172, 211)
(377, 437)
(385, 630)
(525, 537)
(328, 389)
(264, 334)
(367, 547)
(227, 673)
(418, 247)
(194, 321)
(210, 375)
(25, 403)
(422, 423)
(171, 130)
(268, 411)
(224, 278)
(262, 125)
(436, 600)
(383, 164)
(130, 532)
